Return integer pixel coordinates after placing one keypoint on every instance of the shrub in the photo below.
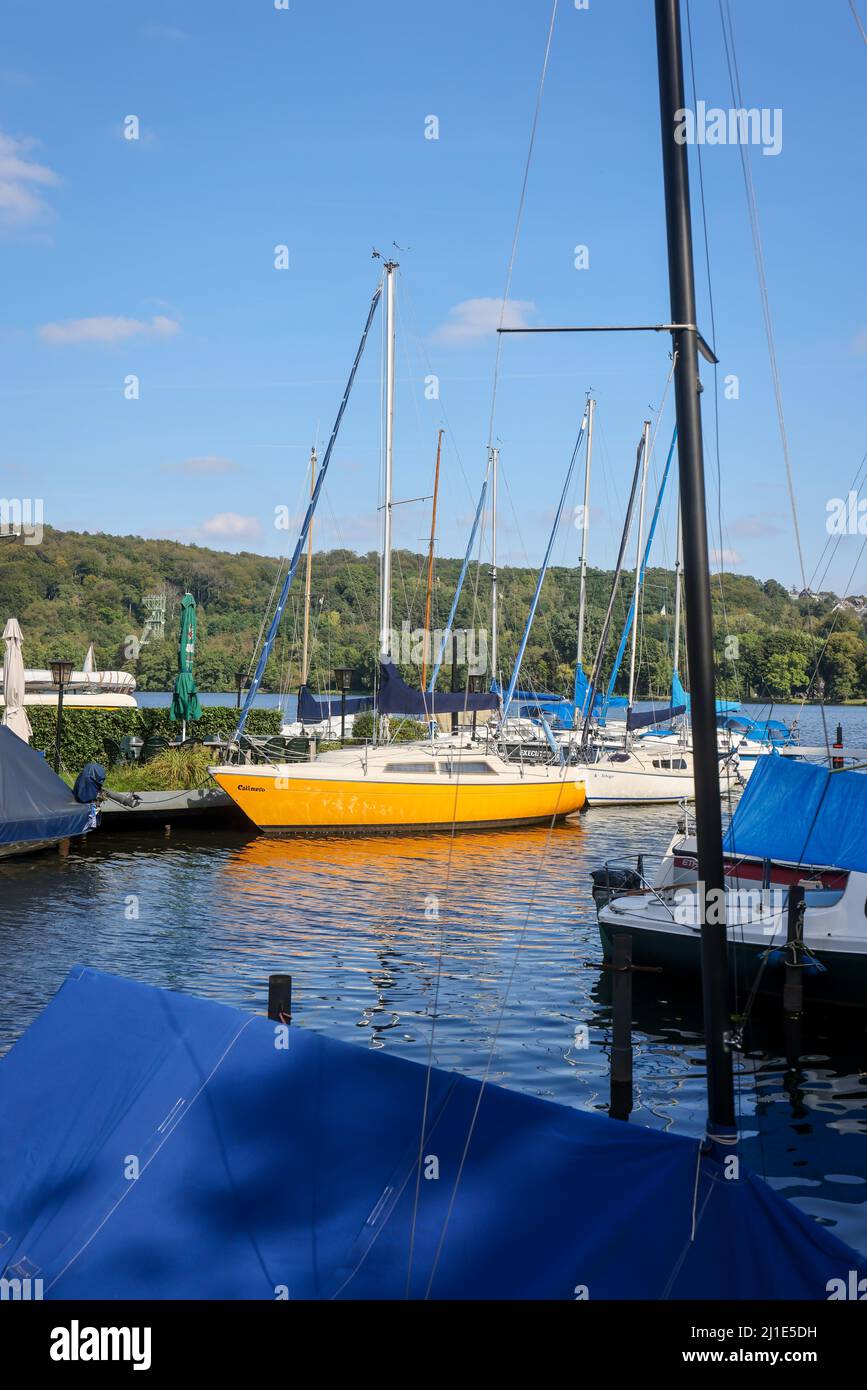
(399, 730)
(85, 731)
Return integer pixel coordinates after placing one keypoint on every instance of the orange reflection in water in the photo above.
(489, 882)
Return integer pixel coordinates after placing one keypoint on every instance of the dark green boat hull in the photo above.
(843, 981)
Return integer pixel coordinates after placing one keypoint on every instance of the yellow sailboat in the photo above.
(403, 787)
(426, 785)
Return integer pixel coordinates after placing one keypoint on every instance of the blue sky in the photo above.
(306, 127)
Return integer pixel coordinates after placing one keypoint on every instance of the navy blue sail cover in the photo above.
(89, 782)
(396, 697)
(154, 1145)
(801, 813)
(659, 714)
(313, 711)
(35, 804)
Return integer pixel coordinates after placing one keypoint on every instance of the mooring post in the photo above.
(621, 1043)
(280, 998)
(838, 743)
(793, 989)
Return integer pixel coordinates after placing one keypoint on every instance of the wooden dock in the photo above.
(200, 806)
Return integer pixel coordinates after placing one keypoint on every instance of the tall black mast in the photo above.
(699, 619)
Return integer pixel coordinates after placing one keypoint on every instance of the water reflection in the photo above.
(487, 943)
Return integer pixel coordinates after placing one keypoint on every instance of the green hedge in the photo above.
(86, 730)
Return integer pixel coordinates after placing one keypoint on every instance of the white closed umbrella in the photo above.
(14, 714)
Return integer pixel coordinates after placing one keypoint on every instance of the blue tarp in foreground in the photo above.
(268, 1171)
(34, 803)
(800, 813)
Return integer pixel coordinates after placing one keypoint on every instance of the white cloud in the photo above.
(725, 557)
(232, 526)
(749, 527)
(107, 329)
(207, 464)
(21, 182)
(474, 319)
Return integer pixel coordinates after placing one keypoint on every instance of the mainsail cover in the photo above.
(271, 1171)
(34, 803)
(396, 697)
(801, 813)
(313, 711)
(657, 714)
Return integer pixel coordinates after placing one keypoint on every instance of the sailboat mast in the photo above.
(495, 468)
(678, 566)
(430, 555)
(585, 527)
(385, 605)
(699, 617)
(639, 555)
(307, 578)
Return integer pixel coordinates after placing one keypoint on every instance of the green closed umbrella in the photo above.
(185, 700)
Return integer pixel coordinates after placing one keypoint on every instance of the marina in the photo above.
(468, 901)
(213, 913)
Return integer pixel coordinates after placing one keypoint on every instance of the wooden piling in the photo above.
(280, 998)
(793, 988)
(621, 1042)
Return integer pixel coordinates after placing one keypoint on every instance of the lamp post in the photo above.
(61, 672)
(454, 680)
(475, 686)
(343, 681)
(240, 678)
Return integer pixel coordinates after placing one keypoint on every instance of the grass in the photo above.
(175, 769)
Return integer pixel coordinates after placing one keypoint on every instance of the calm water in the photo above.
(502, 978)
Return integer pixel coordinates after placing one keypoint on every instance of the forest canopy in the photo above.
(77, 588)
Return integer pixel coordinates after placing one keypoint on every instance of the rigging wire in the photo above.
(855, 15)
(519, 218)
(752, 208)
(441, 943)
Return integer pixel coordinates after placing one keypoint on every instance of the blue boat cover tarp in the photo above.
(396, 697)
(765, 730)
(313, 711)
(154, 1145)
(680, 697)
(89, 783)
(801, 813)
(657, 714)
(35, 804)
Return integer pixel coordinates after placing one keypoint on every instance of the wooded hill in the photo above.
(76, 588)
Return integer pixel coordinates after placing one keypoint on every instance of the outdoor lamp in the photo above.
(61, 674)
(343, 681)
(475, 686)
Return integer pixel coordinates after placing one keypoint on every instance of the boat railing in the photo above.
(636, 882)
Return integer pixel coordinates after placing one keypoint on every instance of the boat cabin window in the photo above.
(410, 767)
(462, 766)
(673, 764)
